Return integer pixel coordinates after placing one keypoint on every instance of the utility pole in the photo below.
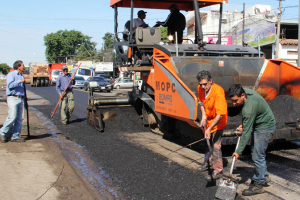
(278, 31)
(243, 24)
(299, 36)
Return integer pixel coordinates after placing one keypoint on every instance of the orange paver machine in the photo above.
(166, 87)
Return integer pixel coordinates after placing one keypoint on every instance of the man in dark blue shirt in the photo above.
(68, 98)
(15, 100)
(175, 22)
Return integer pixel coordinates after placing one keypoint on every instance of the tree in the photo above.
(108, 52)
(164, 33)
(64, 44)
(4, 68)
(108, 40)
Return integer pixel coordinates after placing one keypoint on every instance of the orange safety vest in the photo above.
(215, 104)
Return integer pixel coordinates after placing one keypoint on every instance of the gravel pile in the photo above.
(286, 109)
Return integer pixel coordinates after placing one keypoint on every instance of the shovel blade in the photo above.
(226, 190)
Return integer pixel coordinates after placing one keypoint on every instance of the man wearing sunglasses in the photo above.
(213, 98)
(68, 98)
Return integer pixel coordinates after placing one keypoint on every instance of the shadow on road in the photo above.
(78, 120)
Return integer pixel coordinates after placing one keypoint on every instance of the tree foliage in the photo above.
(4, 68)
(108, 41)
(66, 43)
(108, 52)
(164, 33)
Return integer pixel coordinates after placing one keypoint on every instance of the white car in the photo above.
(54, 76)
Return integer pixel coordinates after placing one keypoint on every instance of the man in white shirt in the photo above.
(139, 22)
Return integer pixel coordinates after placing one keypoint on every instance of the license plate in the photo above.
(103, 88)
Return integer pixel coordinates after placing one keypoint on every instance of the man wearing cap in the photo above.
(175, 23)
(15, 92)
(68, 98)
(139, 22)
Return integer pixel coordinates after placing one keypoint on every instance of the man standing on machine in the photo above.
(175, 23)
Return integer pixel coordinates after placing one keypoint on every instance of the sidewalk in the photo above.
(37, 169)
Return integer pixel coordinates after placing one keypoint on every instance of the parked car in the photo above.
(54, 75)
(108, 78)
(119, 79)
(124, 83)
(79, 82)
(102, 84)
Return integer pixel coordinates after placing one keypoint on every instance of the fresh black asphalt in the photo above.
(137, 171)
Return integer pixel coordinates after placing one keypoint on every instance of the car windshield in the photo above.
(98, 79)
(79, 78)
(86, 72)
(56, 72)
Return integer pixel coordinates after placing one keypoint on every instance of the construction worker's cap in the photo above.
(64, 67)
(141, 12)
(173, 6)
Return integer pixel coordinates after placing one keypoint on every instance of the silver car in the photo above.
(79, 82)
(125, 83)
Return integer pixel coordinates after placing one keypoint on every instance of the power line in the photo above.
(15, 48)
(19, 35)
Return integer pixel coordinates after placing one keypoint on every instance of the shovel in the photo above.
(227, 187)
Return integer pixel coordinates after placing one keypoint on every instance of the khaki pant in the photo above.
(67, 100)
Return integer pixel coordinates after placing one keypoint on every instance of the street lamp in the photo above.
(88, 52)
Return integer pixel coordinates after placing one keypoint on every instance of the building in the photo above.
(288, 50)
(260, 24)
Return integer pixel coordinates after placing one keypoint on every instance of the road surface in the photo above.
(144, 166)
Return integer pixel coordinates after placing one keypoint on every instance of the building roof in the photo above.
(284, 22)
(288, 41)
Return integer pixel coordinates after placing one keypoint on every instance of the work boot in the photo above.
(213, 176)
(64, 122)
(255, 188)
(267, 180)
(203, 168)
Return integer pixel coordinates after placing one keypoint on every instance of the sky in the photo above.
(23, 24)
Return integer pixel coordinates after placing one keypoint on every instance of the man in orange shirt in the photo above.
(213, 98)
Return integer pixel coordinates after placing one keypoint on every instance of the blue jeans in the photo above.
(259, 145)
(15, 117)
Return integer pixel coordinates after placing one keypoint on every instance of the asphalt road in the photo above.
(138, 172)
(143, 166)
